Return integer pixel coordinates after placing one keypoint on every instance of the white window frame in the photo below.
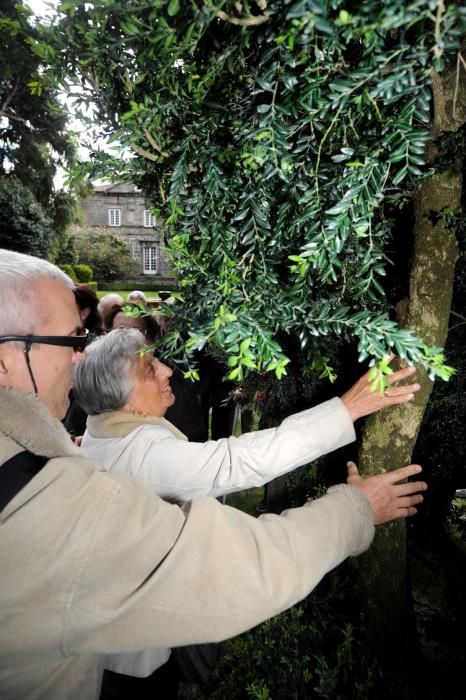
(114, 217)
(150, 258)
(149, 219)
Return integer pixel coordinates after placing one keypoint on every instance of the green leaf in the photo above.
(173, 7)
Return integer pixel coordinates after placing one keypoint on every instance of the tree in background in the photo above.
(33, 135)
(270, 134)
(108, 255)
(23, 224)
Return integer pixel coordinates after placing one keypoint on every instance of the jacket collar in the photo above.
(26, 420)
(116, 424)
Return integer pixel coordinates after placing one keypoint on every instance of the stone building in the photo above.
(123, 209)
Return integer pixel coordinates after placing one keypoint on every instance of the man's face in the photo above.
(51, 365)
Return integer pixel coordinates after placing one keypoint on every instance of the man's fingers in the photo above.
(409, 501)
(352, 469)
(407, 512)
(410, 487)
(403, 473)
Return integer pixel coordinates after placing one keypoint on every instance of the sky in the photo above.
(41, 8)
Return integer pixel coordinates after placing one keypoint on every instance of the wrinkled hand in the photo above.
(389, 500)
(361, 401)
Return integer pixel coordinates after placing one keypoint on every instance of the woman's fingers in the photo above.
(361, 399)
(400, 374)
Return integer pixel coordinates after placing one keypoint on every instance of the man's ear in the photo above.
(6, 361)
(3, 370)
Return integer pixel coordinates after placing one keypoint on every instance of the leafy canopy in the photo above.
(24, 226)
(33, 133)
(33, 141)
(269, 134)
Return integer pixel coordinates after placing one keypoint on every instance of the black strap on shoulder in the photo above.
(16, 473)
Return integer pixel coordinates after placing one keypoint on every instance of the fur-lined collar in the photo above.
(25, 419)
(120, 423)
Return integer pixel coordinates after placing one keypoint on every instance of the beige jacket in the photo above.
(154, 451)
(93, 562)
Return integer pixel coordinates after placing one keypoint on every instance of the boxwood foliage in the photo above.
(269, 134)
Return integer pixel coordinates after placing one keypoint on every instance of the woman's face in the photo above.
(152, 393)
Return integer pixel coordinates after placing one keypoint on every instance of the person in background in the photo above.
(136, 297)
(87, 303)
(127, 394)
(94, 563)
(108, 301)
(123, 316)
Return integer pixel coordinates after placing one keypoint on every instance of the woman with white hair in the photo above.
(126, 393)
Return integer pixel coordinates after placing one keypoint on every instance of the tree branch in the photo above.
(7, 102)
(154, 144)
(142, 152)
(252, 20)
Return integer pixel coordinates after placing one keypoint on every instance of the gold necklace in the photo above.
(141, 414)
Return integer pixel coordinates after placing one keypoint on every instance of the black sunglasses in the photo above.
(77, 342)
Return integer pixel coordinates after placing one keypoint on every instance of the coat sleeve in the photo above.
(180, 471)
(156, 575)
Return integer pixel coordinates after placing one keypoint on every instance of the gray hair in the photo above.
(137, 296)
(103, 381)
(22, 312)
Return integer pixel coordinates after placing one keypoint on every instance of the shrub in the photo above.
(68, 270)
(83, 272)
(93, 286)
(306, 652)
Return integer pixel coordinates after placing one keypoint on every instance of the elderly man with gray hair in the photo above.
(93, 562)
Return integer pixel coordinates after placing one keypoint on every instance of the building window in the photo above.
(114, 218)
(150, 259)
(149, 219)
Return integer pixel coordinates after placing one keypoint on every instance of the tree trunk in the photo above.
(389, 436)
